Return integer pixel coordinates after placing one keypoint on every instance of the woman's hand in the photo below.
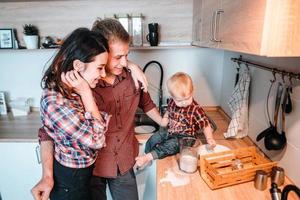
(74, 80)
(41, 191)
(138, 75)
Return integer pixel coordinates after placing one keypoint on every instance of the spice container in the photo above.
(188, 160)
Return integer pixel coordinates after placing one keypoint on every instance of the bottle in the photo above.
(275, 192)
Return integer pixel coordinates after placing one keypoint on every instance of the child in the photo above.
(69, 113)
(185, 118)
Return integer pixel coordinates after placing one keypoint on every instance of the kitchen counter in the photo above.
(25, 128)
(19, 129)
(173, 184)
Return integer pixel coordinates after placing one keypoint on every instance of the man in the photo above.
(118, 96)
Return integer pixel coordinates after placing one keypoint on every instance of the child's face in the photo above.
(183, 101)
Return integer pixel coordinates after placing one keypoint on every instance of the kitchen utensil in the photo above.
(271, 127)
(260, 180)
(188, 160)
(273, 139)
(289, 106)
(277, 176)
(237, 76)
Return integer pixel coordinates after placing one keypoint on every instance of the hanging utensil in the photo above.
(289, 107)
(237, 76)
(274, 140)
(263, 134)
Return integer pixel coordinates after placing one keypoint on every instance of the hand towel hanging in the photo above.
(238, 104)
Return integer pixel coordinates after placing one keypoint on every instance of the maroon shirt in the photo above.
(121, 101)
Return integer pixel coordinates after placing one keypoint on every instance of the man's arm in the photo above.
(138, 75)
(155, 116)
(41, 191)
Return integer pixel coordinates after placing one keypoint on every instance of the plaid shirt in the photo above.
(76, 133)
(186, 120)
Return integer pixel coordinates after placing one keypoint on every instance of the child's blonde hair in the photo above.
(180, 85)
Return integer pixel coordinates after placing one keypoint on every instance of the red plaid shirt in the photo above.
(75, 132)
(186, 120)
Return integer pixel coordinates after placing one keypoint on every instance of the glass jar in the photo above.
(137, 29)
(188, 160)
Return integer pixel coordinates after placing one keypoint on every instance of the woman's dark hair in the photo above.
(81, 44)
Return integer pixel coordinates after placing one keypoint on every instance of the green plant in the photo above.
(29, 29)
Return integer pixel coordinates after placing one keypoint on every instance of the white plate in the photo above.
(202, 150)
(144, 129)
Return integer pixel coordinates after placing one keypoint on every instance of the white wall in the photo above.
(289, 157)
(202, 64)
(21, 71)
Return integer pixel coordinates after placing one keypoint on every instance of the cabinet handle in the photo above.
(38, 154)
(212, 27)
(217, 24)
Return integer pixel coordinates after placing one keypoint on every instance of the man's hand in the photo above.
(41, 191)
(138, 75)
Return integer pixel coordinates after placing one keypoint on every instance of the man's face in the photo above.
(117, 57)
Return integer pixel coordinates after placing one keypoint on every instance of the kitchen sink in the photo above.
(144, 124)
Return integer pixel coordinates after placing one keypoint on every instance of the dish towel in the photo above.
(238, 104)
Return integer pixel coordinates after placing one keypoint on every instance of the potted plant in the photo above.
(31, 37)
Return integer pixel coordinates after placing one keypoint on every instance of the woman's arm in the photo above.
(41, 191)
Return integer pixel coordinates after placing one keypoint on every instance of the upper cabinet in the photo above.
(260, 27)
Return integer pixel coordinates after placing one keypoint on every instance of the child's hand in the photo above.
(212, 143)
(142, 161)
(164, 120)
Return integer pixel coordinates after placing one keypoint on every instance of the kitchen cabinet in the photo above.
(19, 169)
(260, 27)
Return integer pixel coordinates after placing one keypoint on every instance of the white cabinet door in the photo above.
(19, 170)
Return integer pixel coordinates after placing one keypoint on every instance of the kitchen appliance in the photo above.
(152, 36)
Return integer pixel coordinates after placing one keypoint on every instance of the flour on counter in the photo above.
(176, 177)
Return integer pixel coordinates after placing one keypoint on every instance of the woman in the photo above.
(69, 113)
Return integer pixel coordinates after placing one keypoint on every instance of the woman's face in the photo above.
(95, 70)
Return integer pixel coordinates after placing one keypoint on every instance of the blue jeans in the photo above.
(161, 145)
(123, 187)
(71, 183)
